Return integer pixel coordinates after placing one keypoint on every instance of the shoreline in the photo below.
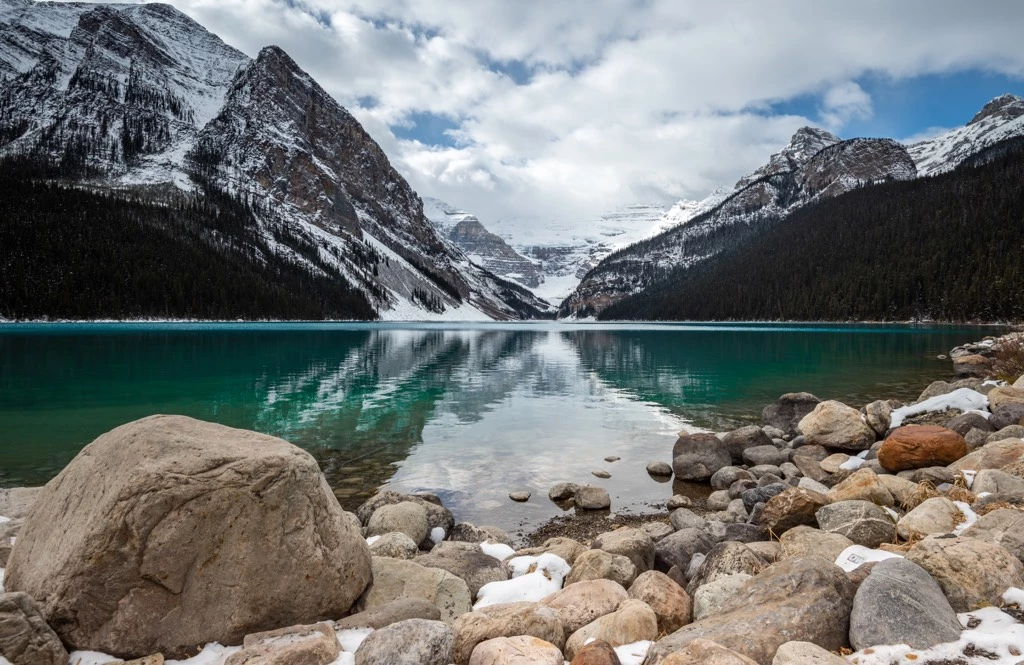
(836, 503)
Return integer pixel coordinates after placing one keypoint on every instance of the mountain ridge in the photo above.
(142, 96)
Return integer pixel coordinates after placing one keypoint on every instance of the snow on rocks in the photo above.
(963, 399)
(533, 578)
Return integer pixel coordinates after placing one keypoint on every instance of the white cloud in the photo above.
(623, 101)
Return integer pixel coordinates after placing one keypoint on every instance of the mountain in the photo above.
(1000, 119)
(942, 248)
(815, 165)
(482, 246)
(141, 102)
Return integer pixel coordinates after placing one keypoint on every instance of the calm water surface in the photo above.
(468, 411)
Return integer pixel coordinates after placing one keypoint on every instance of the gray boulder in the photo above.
(727, 558)
(103, 544)
(727, 475)
(437, 515)
(591, 497)
(409, 642)
(900, 603)
(467, 562)
(395, 545)
(698, 456)
(466, 532)
(965, 422)
(878, 416)
(395, 578)
(757, 495)
(683, 518)
(768, 454)
(786, 412)
(861, 521)
(506, 620)
(737, 441)
(634, 544)
(408, 517)
(804, 598)
(954, 563)
(397, 610)
(678, 548)
(1006, 415)
(1004, 527)
(25, 638)
(994, 481)
(836, 425)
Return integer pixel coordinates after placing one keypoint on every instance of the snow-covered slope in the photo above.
(141, 95)
(1000, 119)
(815, 164)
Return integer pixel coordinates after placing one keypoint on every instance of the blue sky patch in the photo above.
(428, 128)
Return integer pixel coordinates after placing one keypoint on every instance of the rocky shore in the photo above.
(830, 534)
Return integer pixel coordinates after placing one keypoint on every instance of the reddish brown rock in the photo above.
(920, 446)
(597, 652)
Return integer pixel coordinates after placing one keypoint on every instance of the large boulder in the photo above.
(900, 603)
(408, 517)
(634, 544)
(725, 559)
(861, 521)
(518, 650)
(678, 548)
(995, 481)
(935, 515)
(786, 412)
(169, 532)
(437, 515)
(698, 456)
(743, 438)
(710, 598)
(863, 485)
(1004, 527)
(467, 562)
(584, 602)
(972, 573)
(25, 638)
(804, 598)
(397, 610)
(706, 652)
(836, 425)
(878, 416)
(506, 620)
(395, 578)
(633, 621)
(670, 602)
(591, 497)
(994, 455)
(308, 645)
(965, 422)
(919, 446)
(410, 642)
(1005, 415)
(1003, 395)
(598, 564)
(805, 541)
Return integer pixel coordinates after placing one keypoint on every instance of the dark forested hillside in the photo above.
(949, 247)
(76, 254)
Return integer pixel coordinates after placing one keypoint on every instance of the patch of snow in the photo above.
(551, 563)
(633, 654)
(91, 658)
(344, 658)
(525, 588)
(854, 556)
(212, 654)
(852, 463)
(1014, 596)
(351, 638)
(969, 477)
(437, 534)
(892, 513)
(499, 551)
(372, 539)
(970, 517)
(963, 399)
(997, 639)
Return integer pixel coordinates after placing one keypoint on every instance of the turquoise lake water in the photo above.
(470, 412)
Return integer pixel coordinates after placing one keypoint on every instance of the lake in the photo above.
(470, 412)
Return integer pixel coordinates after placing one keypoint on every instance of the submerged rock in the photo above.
(103, 546)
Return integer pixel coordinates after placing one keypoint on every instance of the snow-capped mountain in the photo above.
(480, 245)
(550, 256)
(142, 97)
(1000, 119)
(813, 165)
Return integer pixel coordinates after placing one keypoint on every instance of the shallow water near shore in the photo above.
(470, 412)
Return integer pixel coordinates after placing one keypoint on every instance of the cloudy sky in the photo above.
(566, 108)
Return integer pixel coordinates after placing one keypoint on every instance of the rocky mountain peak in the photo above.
(1007, 107)
(805, 143)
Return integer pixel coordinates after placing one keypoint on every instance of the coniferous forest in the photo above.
(72, 253)
(949, 247)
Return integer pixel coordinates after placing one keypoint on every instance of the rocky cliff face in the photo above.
(482, 246)
(814, 165)
(140, 95)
